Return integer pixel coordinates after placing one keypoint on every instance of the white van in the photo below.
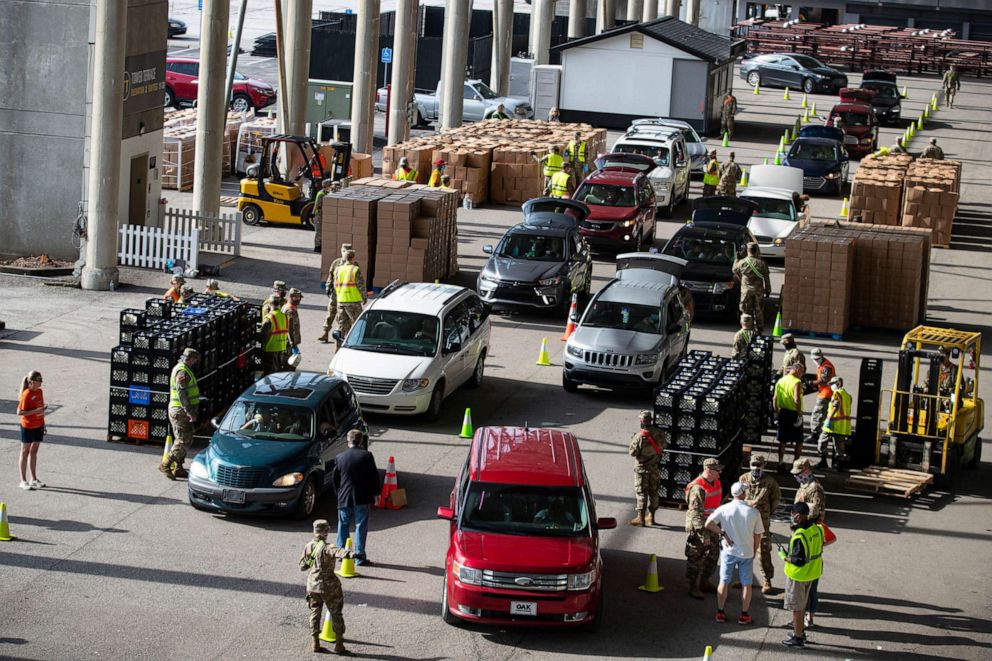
(666, 146)
(773, 189)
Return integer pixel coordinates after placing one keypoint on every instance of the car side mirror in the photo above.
(477, 97)
(452, 346)
(702, 139)
(449, 514)
(488, 249)
(603, 523)
(337, 335)
(215, 422)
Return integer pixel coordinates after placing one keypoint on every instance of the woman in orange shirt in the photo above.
(31, 408)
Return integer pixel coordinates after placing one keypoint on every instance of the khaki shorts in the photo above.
(796, 595)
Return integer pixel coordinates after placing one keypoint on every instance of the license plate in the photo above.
(523, 608)
(233, 496)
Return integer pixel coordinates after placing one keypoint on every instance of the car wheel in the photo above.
(568, 384)
(754, 79)
(308, 500)
(445, 610)
(433, 411)
(170, 98)
(251, 215)
(976, 456)
(479, 372)
(241, 103)
(808, 85)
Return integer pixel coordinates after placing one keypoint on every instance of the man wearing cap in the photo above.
(933, 151)
(727, 113)
(803, 566)
(349, 287)
(318, 212)
(175, 284)
(740, 529)
(293, 321)
(711, 175)
(756, 285)
(562, 182)
(743, 337)
(811, 494)
(792, 353)
(276, 300)
(213, 289)
(764, 495)
(824, 372)
(646, 447)
(275, 341)
(437, 173)
(332, 299)
(837, 426)
(404, 172)
(703, 496)
(323, 586)
(186, 294)
(787, 402)
(184, 397)
(730, 174)
(551, 163)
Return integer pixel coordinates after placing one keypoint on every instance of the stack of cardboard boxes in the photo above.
(931, 197)
(178, 155)
(468, 169)
(818, 284)
(349, 216)
(516, 176)
(876, 192)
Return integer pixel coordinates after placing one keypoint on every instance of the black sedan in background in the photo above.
(887, 100)
(176, 27)
(792, 70)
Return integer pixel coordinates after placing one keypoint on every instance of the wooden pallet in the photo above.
(889, 481)
(679, 505)
(229, 200)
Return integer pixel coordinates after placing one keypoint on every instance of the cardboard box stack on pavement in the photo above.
(931, 197)
(876, 192)
(812, 259)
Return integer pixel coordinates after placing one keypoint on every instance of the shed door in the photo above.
(689, 78)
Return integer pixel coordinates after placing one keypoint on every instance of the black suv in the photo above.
(542, 261)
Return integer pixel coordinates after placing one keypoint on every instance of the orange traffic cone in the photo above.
(389, 486)
(573, 318)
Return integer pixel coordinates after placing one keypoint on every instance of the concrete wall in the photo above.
(717, 16)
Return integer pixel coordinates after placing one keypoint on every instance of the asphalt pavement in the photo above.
(112, 562)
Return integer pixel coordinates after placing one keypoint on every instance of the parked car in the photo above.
(798, 72)
(635, 329)
(413, 345)
(716, 236)
(775, 189)
(621, 201)
(176, 27)
(666, 146)
(695, 145)
(857, 120)
(523, 544)
(264, 46)
(886, 100)
(273, 450)
(181, 83)
(542, 261)
(478, 99)
(824, 162)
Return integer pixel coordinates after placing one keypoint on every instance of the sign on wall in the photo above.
(144, 82)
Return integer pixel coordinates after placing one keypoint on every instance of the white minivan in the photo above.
(414, 344)
(666, 146)
(773, 188)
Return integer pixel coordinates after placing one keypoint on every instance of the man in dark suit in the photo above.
(356, 481)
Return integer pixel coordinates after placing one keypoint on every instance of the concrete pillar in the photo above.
(576, 19)
(544, 12)
(232, 63)
(211, 108)
(366, 66)
(634, 10)
(673, 7)
(299, 15)
(606, 15)
(100, 272)
(404, 50)
(456, 27)
(650, 11)
(692, 12)
(499, 81)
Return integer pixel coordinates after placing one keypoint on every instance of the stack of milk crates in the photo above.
(757, 384)
(225, 333)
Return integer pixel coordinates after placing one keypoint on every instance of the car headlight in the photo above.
(645, 359)
(779, 242)
(410, 385)
(198, 469)
(288, 480)
(550, 282)
(866, 141)
(485, 277)
(573, 350)
(628, 223)
(832, 175)
(720, 287)
(581, 581)
(520, 110)
(468, 575)
(896, 108)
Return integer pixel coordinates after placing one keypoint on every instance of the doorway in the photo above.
(137, 204)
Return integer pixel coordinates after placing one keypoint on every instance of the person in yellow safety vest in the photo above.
(788, 405)
(803, 566)
(576, 152)
(551, 164)
(275, 341)
(404, 172)
(184, 398)
(563, 183)
(213, 287)
(349, 287)
(837, 426)
(711, 175)
(436, 174)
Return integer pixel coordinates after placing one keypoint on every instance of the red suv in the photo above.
(524, 537)
(621, 201)
(856, 118)
(181, 76)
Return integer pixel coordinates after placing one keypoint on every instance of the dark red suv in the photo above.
(621, 201)
(181, 77)
(524, 537)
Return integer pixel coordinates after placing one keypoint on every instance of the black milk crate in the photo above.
(141, 358)
(682, 476)
(133, 319)
(143, 339)
(685, 421)
(159, 398)
(664, 419)
(158, 431)
(119, 409)
(699, 354)
(137, 412)
(162, 360)
(159, 307)
(158, 414)
(684, 439)
(120, 356)
(708, 442)
(126, 336)
(141, 377)
(117, 427)
(171, 342)
(120, 375)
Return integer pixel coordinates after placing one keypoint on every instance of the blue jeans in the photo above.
(359, 514)
(814, 597)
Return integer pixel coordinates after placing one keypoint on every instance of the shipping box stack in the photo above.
(178, 156)
(349, 216)
(819, 282)
(361, 165)
(931, 198)
(469, 171)
(225, 333)
(516, 176)
(876, 192)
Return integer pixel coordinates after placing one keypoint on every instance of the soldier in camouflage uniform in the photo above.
(792, 354)
(756, 285)
(332, 299)
(184, 399)
(730, 174)
(764, 495)
(743, 337)
(276, 300)
(933, 151)
(293, 320)
(702, 547)
(323, 586)
(646, 448)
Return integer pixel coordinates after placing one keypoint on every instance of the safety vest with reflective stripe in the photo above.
(785, 393)
(405, 175)
(279, 336)
(435, 180)
(714, 493)
(192, 390)
(711, 177)
(811, 539)
(570, 151)
(559, 184)
(825, 369)
(839, 414)
(552, 164)
(346, 284)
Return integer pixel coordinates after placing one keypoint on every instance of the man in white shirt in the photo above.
(740, 529)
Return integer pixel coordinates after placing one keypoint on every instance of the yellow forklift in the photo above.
(935, 413)
(281, 186)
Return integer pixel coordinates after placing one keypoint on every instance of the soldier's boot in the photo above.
(339, 646)
(166, 469)
(767, 588)
(639, 519)
(323, 337)
(649, 518)
(706, 586)
(694, 590)
(823, 461)
(315, 644)
(180, 472)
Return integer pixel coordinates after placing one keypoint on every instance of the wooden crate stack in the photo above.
(178, 155)
(876, 192)
(931, 197)
(818, 284)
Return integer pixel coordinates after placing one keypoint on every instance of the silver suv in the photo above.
(635, 329)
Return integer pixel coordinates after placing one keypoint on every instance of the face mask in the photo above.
(834, 387)
(795, 519)
(804, 478)
(756, 473)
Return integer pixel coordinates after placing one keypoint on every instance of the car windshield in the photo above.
(389, 331)
(605, 195)
(511, 509)
(882, 90)
(484, 91)
(659, 154)
(813, 152)
(271, 422)
(623, 316)
(769, 207)
(707, 247)
(851, 118)
(808, 62)
(532, 246)
(240, 76)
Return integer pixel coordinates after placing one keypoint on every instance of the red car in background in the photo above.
(621, 201)
(181, 84)
(855, 116)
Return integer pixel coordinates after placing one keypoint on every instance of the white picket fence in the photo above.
(154, 247)
(219, 234)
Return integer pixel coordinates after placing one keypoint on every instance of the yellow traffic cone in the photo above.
(5, 535)
(806, 115)
(785, 97)
(926, 112)
(543, 359)
(805, 103)
(844, 210)
(933, 101)
(795, 134)
(467, 430)
(756, 92)
(168, 448)
(743, 177)
(778, 158)
(777, 329)
(347, 564)
(919, 123)
(708, 653)
(726, 140)
(327, 633)
(651, 580)
(786, 138)
(905, 92)
(812, 108)
(766, 160)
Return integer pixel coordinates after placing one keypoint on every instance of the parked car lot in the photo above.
(798, 72)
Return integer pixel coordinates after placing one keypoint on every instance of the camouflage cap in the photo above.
(799, 465)
(645, 415)
(279, 285)
(758, 461)
(295, 292)
(321, 527)
(788, 337)
(345, 247)
(746, 318)
(713, 464)
(190, 351)
(187, 290)
(213, 284)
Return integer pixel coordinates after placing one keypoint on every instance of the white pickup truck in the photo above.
(478, 100)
